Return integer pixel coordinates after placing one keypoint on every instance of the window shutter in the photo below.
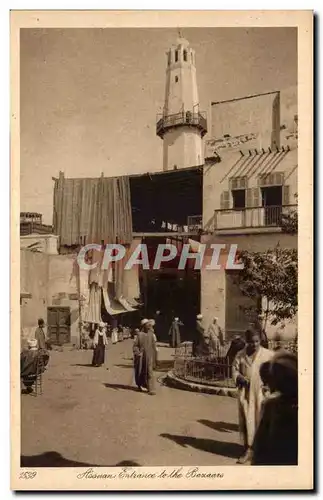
(249, 197)
(286, 195)
(243, 183)
(278, 178)
(255, 197)
(225, 200)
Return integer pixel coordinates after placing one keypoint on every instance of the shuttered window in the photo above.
(252, 198)
(225, 200)
(286, 195)
(274, 179)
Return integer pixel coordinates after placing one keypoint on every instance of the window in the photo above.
(176, 79)
(239, 199)
(238, 183)
(185, 55)
(176, 55)
(169, 57)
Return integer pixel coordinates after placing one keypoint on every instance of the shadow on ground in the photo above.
(121, 386)
(162, 366)
(54, 459)
(89, 365)
(220, 426)
(225, 449)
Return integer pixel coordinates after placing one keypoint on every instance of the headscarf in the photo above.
(32, 343)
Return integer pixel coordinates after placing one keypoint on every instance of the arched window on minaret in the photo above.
(169, 58)
(176, 55)
(185, 55)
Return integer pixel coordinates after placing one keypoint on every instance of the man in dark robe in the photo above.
(174, 333)
(144, 351)
(276, 439)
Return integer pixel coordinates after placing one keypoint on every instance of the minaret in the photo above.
(182, 125)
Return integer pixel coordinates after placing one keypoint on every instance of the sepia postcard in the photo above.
(161, 250)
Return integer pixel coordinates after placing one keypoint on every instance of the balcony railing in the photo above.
(195, 223)
(27, 228)
(184, 118)
(255, 217)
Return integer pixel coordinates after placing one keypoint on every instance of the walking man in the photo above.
(246, 374)
(144, 350)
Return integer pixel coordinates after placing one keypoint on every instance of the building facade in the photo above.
(250, 180)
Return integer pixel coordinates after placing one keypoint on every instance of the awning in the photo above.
(113, 306)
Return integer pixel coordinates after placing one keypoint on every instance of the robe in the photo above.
(250, 399)
(114, 336)
(144, 351)
(99, 342)
(216, 337)
(174, 334)
(32, 363)
(40, 337)
(276, 439)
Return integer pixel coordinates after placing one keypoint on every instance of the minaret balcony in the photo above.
(185, 118)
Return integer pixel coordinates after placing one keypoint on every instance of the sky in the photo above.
(89, 97)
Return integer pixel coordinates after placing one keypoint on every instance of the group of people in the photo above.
(100, 340)
(267, 383)
(144, 352)
(207, 339)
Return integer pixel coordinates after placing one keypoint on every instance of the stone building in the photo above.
(232, 189)
(250, 180)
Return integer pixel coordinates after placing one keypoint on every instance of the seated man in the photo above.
(32, 362)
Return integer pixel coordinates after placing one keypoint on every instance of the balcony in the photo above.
(249, 218)
(197, 120)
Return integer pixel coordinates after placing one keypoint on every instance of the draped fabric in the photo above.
(92, 210)
(119, 287)
(111, 305)
(93, 313)
(130, 278)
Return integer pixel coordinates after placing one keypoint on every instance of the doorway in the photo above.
(174, 294)
(272, 198)
(59, 325)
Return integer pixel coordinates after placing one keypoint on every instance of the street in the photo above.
(95, 417)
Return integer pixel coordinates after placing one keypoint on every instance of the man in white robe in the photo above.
(245, 373)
